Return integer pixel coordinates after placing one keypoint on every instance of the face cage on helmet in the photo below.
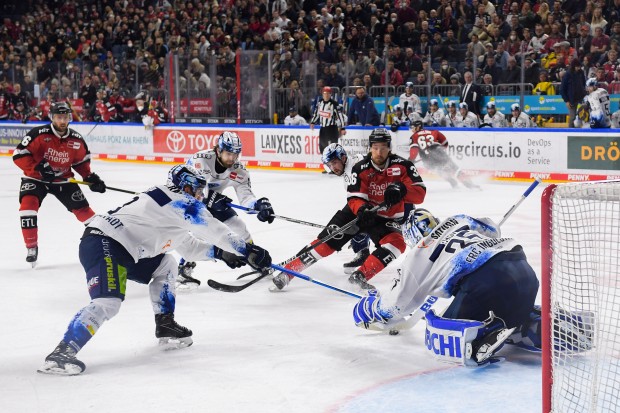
(410, 231)
(196, 183)
(51, 116)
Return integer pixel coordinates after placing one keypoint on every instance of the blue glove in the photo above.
(232, 260)
(96, 184)
(216, 201)
(366, 311)
(394, 193)
(257, 257)
(265, 211)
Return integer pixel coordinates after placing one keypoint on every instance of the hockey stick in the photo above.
(443, 105)
(111, 188)
(296, 221)
(312, 280)
(418, 314)
(235, 288)
(349, 228)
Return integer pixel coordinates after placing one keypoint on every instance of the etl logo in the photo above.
(439, 344)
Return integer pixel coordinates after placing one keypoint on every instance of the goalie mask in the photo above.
(424, 221)
(410, 231)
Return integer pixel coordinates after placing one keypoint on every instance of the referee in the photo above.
(327, 115)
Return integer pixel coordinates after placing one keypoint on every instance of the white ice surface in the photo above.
(254, 351)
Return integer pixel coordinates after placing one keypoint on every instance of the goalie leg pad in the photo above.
(469, 343)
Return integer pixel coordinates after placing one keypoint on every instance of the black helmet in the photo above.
(60, 108)
(380, 135)
(417, 123)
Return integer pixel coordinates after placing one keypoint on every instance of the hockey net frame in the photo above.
(580, 228)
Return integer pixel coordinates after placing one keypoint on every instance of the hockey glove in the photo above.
(366, 311)
(46, 171)
(232, 260)
(265, 211)
(257, 257)
(216, 201)
(394, 127)
(366, 216)
(96, 184)
(394, 193)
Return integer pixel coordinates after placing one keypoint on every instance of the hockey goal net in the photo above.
(581, 297)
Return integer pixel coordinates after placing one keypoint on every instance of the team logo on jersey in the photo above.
(47, 139)
(198, 165)
(78, 196)
(233, 175)
(175, 141)
(393, 172)
(74, 145)
(28, 186)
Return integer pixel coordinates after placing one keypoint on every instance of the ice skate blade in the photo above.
(174, 343)
(51, 367)
(186, 287)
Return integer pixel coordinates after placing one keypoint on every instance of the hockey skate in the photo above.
(171, 334)
(32, 255)
(62, 361)
(485, 347)
(280, 281)
(357, 278)
(357, 261)
(185, 281)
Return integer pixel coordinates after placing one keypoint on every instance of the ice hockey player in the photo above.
(597, 103)
(520, 119)
(221, 168)
(432, 147)
(435, 116)
(410, 100)
(465, 118)
(452, 116)
(381, 184)
(398, 118)
(493, 286)
(494, 118)
(46, 155)
(340, 163)
(133, 242)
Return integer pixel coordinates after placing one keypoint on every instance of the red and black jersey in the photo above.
(62, 153)
(422, 141)
(368, 184)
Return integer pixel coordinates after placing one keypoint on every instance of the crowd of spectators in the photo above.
(96, 49)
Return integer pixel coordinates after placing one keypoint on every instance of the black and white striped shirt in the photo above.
(326, 114)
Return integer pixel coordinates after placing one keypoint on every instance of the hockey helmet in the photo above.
(182, 176)
(463, 105)
(229, 142)
(409, 85)
(380, 135)
(424, 221)
(433, 102)
(140, 96)
(515, 106)
(410, 231)
(60, 108)
(417, 124)
(592, 82)
(491, 105)
(333, 151)
(451, 104)
(398, 108)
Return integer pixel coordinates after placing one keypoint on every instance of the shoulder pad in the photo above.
(75, 134)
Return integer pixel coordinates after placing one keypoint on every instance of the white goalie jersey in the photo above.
(160, 220)
(457, 247)
(237, 176)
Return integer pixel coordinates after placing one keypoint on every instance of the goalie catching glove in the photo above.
(366, 311)
(394, 193)
(265, 210)
(95, 183)
(216, 201)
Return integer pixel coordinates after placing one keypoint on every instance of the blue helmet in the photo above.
(184, 175)
(333, 151)
(410, 231)
(592, 82)
(229, 142)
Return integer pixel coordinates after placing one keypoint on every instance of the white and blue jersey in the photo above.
(600, 115)
(457, 247)
(163, 219)
(236, 176)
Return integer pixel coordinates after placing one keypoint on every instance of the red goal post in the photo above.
(580, 280)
